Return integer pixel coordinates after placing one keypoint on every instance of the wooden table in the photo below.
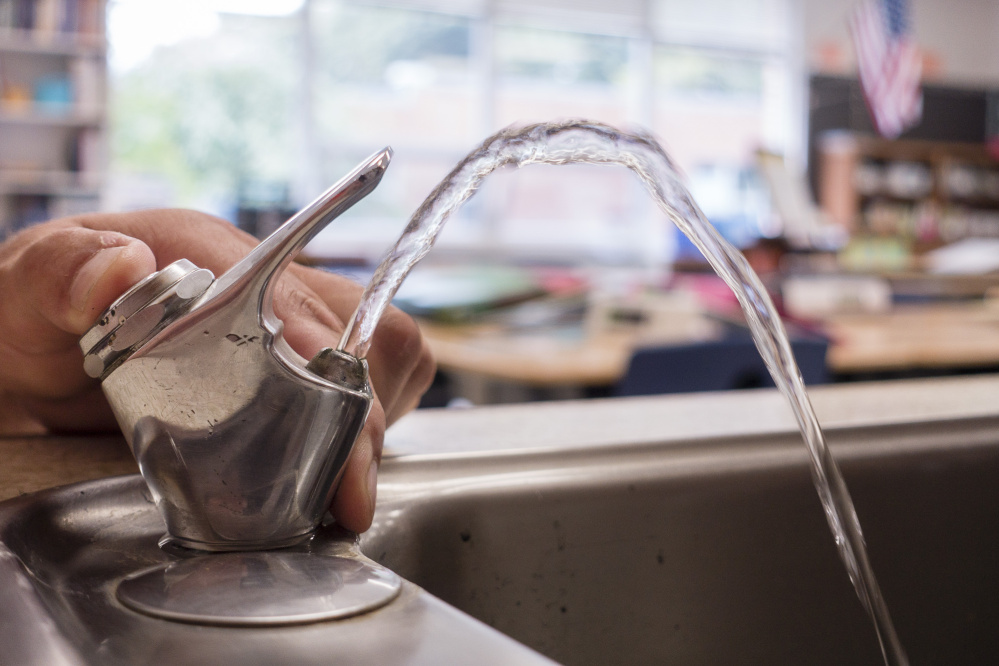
(36, 462)
(913, 337)
(951, 336)
(539, 358)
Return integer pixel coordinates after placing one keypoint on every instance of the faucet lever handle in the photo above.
(141, 312)
(254, 273)
(167, 295)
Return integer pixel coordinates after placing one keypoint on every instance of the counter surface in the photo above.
(42, 461)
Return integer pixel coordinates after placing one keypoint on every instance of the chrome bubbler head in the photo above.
(241, 441)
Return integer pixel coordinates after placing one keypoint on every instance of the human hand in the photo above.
(57, 278)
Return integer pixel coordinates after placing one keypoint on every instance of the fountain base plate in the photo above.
(260, 588)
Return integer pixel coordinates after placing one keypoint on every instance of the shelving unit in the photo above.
(924, 193)
(53, 109)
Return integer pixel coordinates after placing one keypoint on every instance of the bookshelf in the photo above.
(53, 109)
(927, 193)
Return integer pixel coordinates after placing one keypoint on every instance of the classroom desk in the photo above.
(535, 358)
(915, 337)
(919, 337)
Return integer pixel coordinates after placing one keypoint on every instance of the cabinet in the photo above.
(924, 193)
(53, 78)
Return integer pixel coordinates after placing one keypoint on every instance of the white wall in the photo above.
(959, 37)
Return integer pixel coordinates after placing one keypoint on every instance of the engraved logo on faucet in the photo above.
(241, 340)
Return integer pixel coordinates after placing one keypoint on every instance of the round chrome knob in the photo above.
(140, 313)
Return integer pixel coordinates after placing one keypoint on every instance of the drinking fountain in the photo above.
(240, 440)
(242, 443)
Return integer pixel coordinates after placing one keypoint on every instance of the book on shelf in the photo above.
(89, 158)
(47, 19)
(7, 13)
(25, 14)
(70, 17)
(24, 210)
(80, 91)
(17, 14)
(87, 77)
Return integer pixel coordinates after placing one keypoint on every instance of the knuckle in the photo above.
(210, 223)
(375, 426)
(175, 233)
(297, 301)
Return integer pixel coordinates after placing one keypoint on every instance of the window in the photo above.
(284, 103)
(389, 76)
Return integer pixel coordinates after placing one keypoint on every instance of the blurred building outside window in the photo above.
(230, 104)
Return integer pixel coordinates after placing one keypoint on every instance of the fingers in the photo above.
(310, 324)
(400, 362)
(64, 276)
(55, 282)
(354, 503)
(208, 241)
(313, 305)
(57, 278)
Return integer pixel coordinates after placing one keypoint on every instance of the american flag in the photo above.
(889, 63)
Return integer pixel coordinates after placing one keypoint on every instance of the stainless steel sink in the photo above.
(679, 530)
(63, 553)
(704, 549)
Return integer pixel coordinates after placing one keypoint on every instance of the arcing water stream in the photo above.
(585, 142)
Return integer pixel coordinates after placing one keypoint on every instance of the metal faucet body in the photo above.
(241, 442)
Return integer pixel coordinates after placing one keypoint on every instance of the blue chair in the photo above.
(730, 363)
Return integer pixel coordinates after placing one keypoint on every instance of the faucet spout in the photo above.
(254, 273)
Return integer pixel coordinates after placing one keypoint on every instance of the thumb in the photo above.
(113, 263)
(59, 281)
(72, 274)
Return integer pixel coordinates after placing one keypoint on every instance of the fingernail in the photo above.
(90, 274)
(372, 483)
